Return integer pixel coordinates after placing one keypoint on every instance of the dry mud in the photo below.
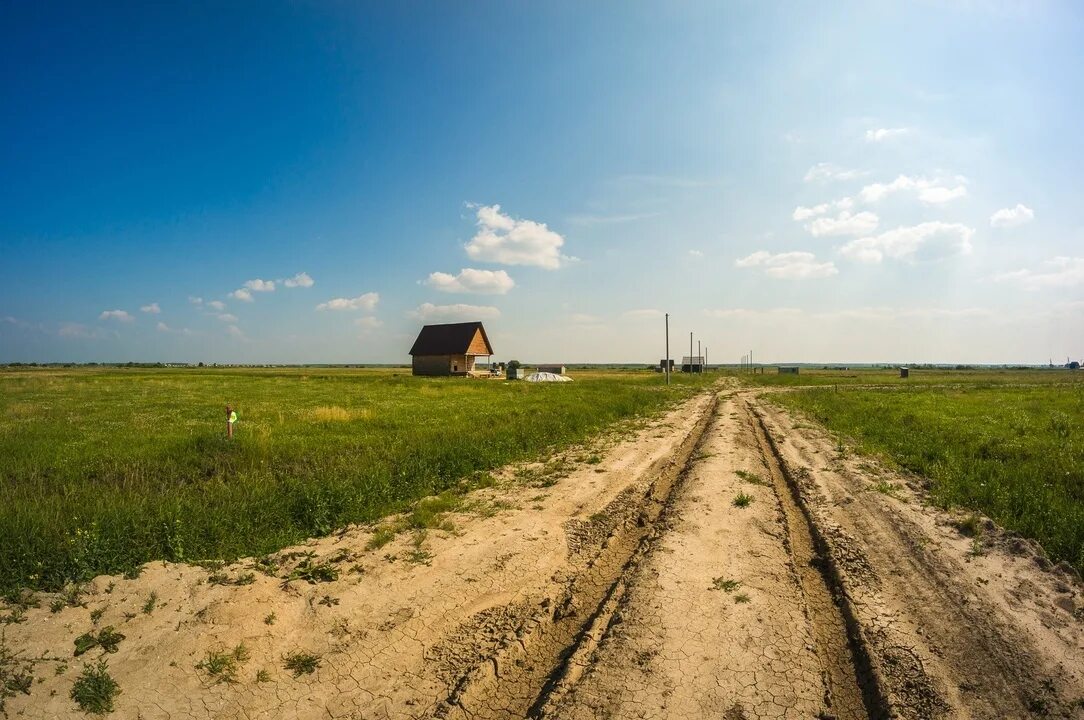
(722, 561)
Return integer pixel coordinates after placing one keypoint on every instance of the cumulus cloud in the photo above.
(366, 302)
(823, 172)
(152, 308)
(804, 213)
(925, 241)
(508, 241)
(302, 280)
(260, 285)
(197, 301)
(216, 305)
(469, 280)
(242, 295)
(844, 224)
(1060, 272)
(162, 327)
(121, 315)
(881, 134)
(939, 195)
(788, 265)
(459, 311)
(226, 317)
(1012, 217)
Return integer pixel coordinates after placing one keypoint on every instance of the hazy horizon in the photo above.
(310, 183)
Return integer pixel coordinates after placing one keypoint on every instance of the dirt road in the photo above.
(722, 561)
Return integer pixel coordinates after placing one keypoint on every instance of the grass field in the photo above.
(104, 469)
(1011, 450)
(919, 376)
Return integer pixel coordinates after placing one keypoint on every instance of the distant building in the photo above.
(788, 369)
(905, 372)
(555, 369)
(692, 364)
(662, 364)
(449, 349)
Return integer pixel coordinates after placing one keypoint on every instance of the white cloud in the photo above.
(121, 315)
(696, 253)
(940, 195)
(823, 172)
(926, 241)
(749, 314)
(428, 312)
(236, 333)
(1012, 217)
(216, 305)
(788, 265)
(469, 280)
(844, 224)
(878, 191)
(368, 322)
(152, 308)
(645, 314)
(260, 285)
(195, 300)
(242, 295)
(584, 319)
(804, 213)
(366, 302)
(505, 240)
(885, 134)
(302, 280)
(1059, 272)
(162, 327)
(227, 317)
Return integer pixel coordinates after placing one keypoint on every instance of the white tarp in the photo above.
(547, 377)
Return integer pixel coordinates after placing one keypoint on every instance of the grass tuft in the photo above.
(742, 500)
(95, 689)
(301, 663)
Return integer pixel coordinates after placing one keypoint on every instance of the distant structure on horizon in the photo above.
(449, 349)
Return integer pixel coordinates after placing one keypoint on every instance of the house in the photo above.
(449, 349)
(692, 364)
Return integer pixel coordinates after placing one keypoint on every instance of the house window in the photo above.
(455, 367)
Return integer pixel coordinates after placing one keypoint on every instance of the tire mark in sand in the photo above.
(852, 688)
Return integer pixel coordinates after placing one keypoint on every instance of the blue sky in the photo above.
(310, 182)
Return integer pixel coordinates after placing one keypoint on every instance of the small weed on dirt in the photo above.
(222, 666)
(750, 477)
(301, 663)
(742, 598)
(725, 584)
(95, 689)
(151, 604)
(314, 573)
(742, 500)
(107, 639)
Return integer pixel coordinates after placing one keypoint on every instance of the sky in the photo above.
(310, 182)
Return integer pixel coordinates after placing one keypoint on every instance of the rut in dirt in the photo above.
(852, 688)
(537, 665)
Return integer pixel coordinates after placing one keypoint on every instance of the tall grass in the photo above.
(102, 470)
(1015, 453)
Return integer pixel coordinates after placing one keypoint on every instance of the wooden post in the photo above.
(667, 348)
(229, 422)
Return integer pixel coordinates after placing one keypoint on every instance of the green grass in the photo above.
(222, 667)
(301, 663)
(819, 376)
(742, 500)
(1013, 453)
(104, 469)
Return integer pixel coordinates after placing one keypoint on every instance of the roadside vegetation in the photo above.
(1013, 453)
(102, 470)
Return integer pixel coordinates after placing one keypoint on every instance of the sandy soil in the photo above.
(634, 587)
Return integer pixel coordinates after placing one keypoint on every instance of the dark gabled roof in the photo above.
(449, 339)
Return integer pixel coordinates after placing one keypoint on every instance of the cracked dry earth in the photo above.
(723, 561)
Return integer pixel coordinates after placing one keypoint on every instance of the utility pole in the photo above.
(699, 358)
(691, 353)
(667, 348)
(705, 356)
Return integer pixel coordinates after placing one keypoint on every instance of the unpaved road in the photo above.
(723, 561)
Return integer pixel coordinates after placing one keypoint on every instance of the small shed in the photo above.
(449, 349)
(905, 372)
(788, 369)
(555, 369)
(663, 362)
(692, 364)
